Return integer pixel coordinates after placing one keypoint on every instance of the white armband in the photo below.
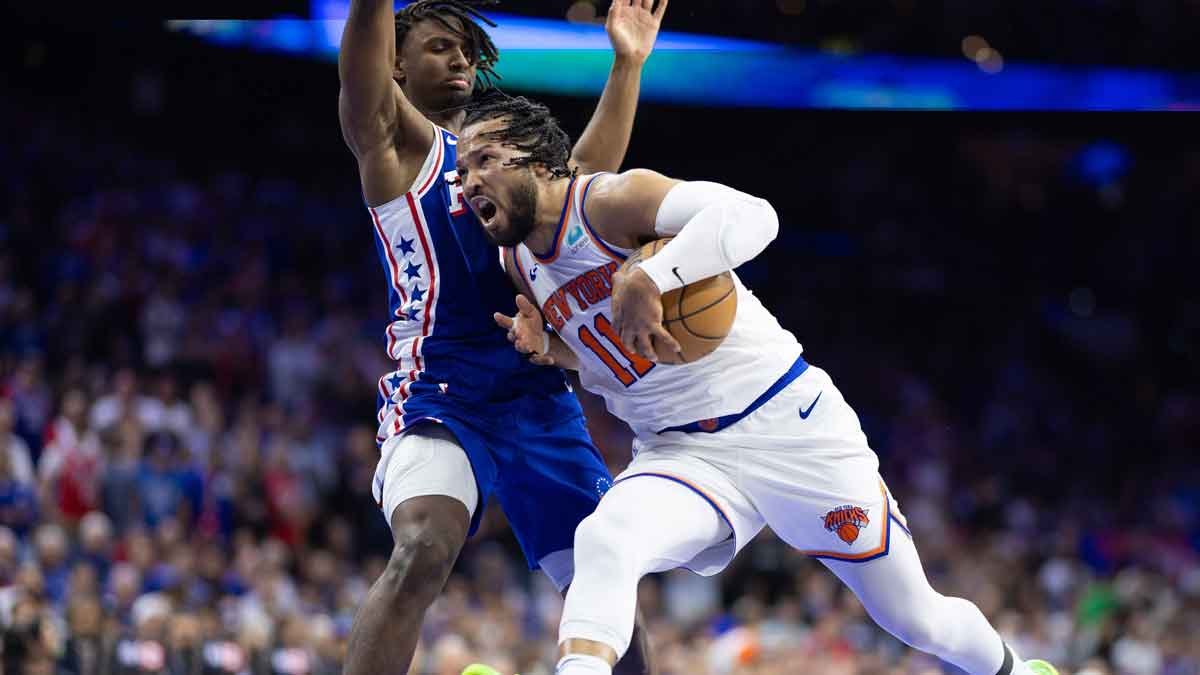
(716, 229)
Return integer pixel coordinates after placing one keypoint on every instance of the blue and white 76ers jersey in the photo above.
(573, 285)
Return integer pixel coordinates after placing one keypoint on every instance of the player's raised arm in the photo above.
(715, 229)
(378, 123)
(632, 28)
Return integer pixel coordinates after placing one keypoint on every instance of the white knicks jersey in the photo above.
(573, 285)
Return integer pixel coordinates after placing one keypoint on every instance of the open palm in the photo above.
(633, 25)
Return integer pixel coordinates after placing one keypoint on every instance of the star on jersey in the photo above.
(418, 294)
(395, 380)
(412, 271)
(413, 312)
(406, 246)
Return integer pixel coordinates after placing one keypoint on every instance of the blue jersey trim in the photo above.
(712, 426)
(586, 223)
(562, 222)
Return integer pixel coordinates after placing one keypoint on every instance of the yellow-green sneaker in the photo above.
(481, 669)
(1038, 667)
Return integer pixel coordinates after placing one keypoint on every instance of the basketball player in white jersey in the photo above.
(746, 436)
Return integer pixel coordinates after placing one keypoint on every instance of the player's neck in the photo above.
(551, 197)
(450, 121)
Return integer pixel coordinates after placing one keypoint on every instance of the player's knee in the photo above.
(421, 561)
(598, 541)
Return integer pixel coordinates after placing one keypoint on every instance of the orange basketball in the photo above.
(699, 315)
(848, 532)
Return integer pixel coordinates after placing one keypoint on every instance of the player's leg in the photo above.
(638, 660)
(644, 524)
(809, 470)
(898, 596)
(425, 485)
(551, 477)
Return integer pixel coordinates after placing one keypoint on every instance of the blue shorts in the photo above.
(533, 454)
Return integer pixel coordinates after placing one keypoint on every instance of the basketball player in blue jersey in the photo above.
(746, 436)
(462, 417)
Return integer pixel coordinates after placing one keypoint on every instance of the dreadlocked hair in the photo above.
(531, 129)
(477, 43)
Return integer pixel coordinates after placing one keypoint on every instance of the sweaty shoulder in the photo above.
(622, 207)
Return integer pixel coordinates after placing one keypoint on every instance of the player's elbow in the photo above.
(755, 225)
(766, 221)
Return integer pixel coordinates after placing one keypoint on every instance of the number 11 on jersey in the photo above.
(640, 366)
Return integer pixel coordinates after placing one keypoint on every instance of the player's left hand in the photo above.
(526, 332)
(632, 27)
(638, 314)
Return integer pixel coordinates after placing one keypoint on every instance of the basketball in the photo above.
(699, 315)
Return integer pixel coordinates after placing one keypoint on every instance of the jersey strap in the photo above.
(713, 425)
(591, 231)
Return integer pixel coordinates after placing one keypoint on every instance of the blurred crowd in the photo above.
(188, 362)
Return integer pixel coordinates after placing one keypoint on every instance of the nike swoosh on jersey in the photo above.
(805, 413)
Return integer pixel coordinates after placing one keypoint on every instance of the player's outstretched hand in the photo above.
(632, 27)
(526, 331)
(638, 314)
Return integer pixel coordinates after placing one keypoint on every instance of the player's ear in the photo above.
(399, 68)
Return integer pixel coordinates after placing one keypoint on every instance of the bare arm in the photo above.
(632, 30)
(387, 134)
(623, 207)
(560, 354)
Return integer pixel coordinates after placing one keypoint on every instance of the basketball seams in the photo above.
(682, 318)
(694, 312)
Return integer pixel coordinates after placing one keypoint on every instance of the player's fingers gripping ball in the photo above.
(699, 315)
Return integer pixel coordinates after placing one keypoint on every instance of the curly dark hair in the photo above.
(531, 129)
(477, 44)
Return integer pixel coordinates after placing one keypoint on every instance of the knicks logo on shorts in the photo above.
(708, 424)
(847, 521)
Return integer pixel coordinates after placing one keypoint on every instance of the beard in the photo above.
(521, 216)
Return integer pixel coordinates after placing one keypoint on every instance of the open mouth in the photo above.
(485, 208)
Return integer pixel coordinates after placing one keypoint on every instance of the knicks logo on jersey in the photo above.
(457, 206)
(847, 521)
(587, 289)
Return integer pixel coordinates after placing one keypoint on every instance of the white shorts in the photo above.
(424, 461)
(800, 463)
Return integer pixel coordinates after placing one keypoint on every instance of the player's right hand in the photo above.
(526, 331)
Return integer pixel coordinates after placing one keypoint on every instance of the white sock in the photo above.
(1019, 667)
(582, 664)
